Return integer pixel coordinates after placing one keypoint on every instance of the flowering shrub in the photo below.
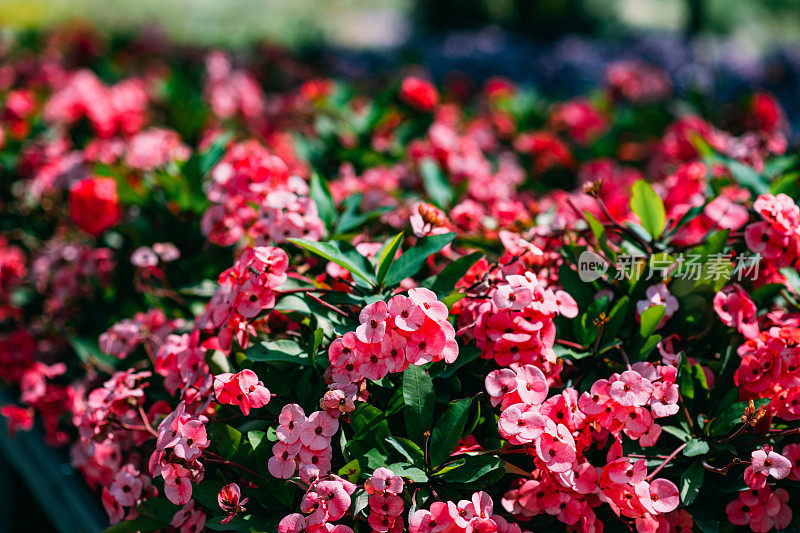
(297, 306)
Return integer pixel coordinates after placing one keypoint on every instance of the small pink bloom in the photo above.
(373, 322)
(659, 496)
(316, 433)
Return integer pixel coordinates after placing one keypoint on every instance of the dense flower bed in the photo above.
(260, 300)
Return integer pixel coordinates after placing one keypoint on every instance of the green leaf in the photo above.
(691, 482)
(648, 346)
(649, 207)
(600, 235)
(319, 192)
(351, 471)
(407, 449)
(419, 399)
(414, 473)
(580, 290)
(445, 282)
(211, 157)
(465, 356)
(650, 319)
(677, 432)
(616, 318)
(387, 256)
(448, 430)
(414, 258)
(435, 183)
(351, 219)
(748, 177)
(732, 416)
(227, 439)
(370, 430)
(474, 468)
(695, 447)
(88, 352)
(343, 254)
(283, 350)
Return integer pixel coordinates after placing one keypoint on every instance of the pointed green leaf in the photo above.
(650, 319)
(649, 207)
(387, 255)
(343, 254)
(412, 260)
(435, 183)
(448, 430)
(419, 399)
(691, 482)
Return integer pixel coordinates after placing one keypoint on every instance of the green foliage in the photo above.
(649, 207)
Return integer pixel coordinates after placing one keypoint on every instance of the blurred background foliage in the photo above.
(755, 25)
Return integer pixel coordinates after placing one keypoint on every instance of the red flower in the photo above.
(94, 204)
(419, 93)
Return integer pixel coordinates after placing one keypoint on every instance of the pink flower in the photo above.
(556, 447)
(735, 309)
(407, 315)
(419, 93)
(229, 501)
(373, 322)
(192, 441)
(499, 383)
(430, 305)
(623, 471)
(144, 257)
(282, 464)
(658, 294)
(531, 385)
(659, 496)
(293, 523)
(664, 400)
(566, 305)
(630, 389)
(335, 496)
(243, 389)
(290, 422)
(178, 490)
(771, 463)
(384, 480)
(316, 433)
(520, 424)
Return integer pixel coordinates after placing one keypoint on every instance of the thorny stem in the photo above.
(146, 422)
(569, 344)
(669, 458)
(686, 413)
(645, 245)
(305, 289)
(625, 357)
(327, 305)
(724, 470)
(214, 458)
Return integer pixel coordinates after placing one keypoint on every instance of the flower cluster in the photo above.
(429, 241)
(762, 509)
(409, 330)
(304, 443)
(255, 195)
(242, 389)
(777, 236)
(465, 516)
(182, 438)
(558, 430)
(516, 325)
(324, 502)
(385, 504)
(769, 368)
(245, 290)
